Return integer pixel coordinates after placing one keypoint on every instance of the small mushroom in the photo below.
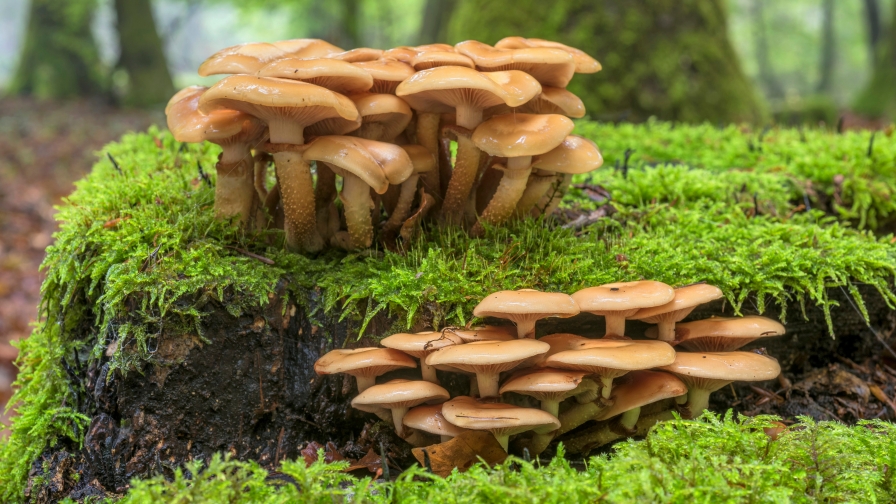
(502, 420)
(641, 388)
(686, 299)
(549, 66)
(484, 333)
(421, 344)
(337, 76)
(550, 386)
(488, 359)
(423, 162)
(551, 100)
(307, 47)
(358, 54)
(722, 334)
(584, 63)
(241, 59)
(575, 155)
(365, 364)
(704, 373)
(525, 307)
(399, 396)
(429, 419)
(387, 74)
(431, 59)
(616, 301)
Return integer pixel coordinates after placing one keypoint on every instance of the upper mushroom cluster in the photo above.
(557, 383)
(383, 121)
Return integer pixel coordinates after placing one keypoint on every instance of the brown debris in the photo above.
(461, 452)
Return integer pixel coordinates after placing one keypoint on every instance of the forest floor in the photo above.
(44, 148)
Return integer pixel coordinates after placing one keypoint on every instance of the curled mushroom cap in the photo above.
(487, 359)
(515, 135)
(616, 301)
(399, 396)
(429, 419)
(383, 116)
(241, 59)
(642, 388)
(550, 386)
(686, 299)
(502, 420)
(551, 100)
(187, 92)
(188, 124)
(335, 75)
(420, 345)
(524, 307)
(584, 64)
(387, 74)
(723, 334)
(365, 364)
(549, 66)
(378, 164)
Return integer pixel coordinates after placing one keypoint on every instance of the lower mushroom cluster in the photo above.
(550, 388)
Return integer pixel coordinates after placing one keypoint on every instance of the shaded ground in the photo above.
(44, 148)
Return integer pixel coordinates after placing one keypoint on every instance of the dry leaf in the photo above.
(461, 452)
(372, 462)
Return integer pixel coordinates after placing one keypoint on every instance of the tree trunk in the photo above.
(773, 87)
(351, 12)
(673, 60)
(436, 16)
(872, 19)
(142, 57)
(828, 48)
(879, 97)
(59, 58)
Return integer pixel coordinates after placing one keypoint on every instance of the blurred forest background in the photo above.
(75, 74)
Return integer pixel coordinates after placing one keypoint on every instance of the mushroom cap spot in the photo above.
(363, 361)
(641, 388)
(335, 75)
(623, 296)
(501, 418)
(686, 298)
(220, 126)
(189, 91)
(443, 89)
(241, 59)
(549, 66)
(717, 334)
(307, 47)
(514, 135)
(622, 355)
(543, 382)
(526, 304)
(421, 343)
(431, 59)
(378, 164)
(421, 158)
(358, 55)
(574, 155)
(387, 73)
(584, 63)
(713, 370)
(389, 113)
(485, 333)
(487, 356)
(399, 394)
(429, 419)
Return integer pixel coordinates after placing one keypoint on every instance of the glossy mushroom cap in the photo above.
(640, 389)
(551, 100)
(387, 74)
(429, 419)
(241, 59)
(723, 334)
(574, 155)
(485, 333)
(550, 386)
(378, 164)
(616, 301)
(549, 66)
(584, 64)
(686, 299)
(524, 307)
(421, 158)
(187, 92)
(188, 124)
(399, 396)
(420, 344)
(502, 420)
(307, 47)
(383, 116)
(358, 55)
(363, 363)
(431, 59)
(516, 135)
(338, 76)
(713, 370)
(487, 359)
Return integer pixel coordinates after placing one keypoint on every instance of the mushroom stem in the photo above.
(397, 417)
(536, 187)
(630, 418)
(525, 329)
(428, 372)
(446, 438)
(297, 197)
(552, 406)
(586, 392)
(262, 159)
(428, 136)
(234, 190)
(403, 206)
(469, 117)
(604, 434)
(357, 203)
(607, 387)
(503, 440)
(474, 386)
(615, 324)
(488, 385)
(365, 382)
(511, 188)
(666, 331)
(539, 443)
(577, 415)
(698, 402)
(324, 194)
(466, 167)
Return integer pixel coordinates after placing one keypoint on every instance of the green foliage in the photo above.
(879, 98)
(712, 459)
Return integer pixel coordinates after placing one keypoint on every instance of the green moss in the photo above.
(708, 460)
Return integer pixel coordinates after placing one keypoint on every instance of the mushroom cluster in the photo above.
(382, 121)
(552, 386)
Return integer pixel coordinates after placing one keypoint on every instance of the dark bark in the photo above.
(873, 22)
(142, 58)
(436, 17)
(828, 48)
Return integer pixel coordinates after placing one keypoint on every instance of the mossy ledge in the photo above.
(141, 275)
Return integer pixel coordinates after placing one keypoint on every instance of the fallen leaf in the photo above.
(461, 452)
(372, 462)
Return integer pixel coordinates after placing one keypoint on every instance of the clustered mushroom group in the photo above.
(383, 121)
(554, 385)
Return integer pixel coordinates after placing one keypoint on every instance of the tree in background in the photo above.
(669, 59)
(879, 97)
(436, 16)
(141, 57)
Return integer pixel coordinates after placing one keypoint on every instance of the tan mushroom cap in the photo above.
(625, 297)
(713, 370)
(358, 55)
(561, 342)
(429, 419)
(642, 388)
(551, 100)
(378, 164)
(723, 334)
(502, 420)
(383, 116)
(431, 59)
(574, 155)
(187, 124)
(515, 135)
(585, 64)
(422, 343)
(241, 59)
(189, 91)
(487, 356)
(613, 357)
(403, 54)
(307, 47)
(435, 47)
(335, 75)
(421, 158)
(549, 66)
(524, 307)
(399, 394)
(443, 89)
(387, 74)
(544, 383)
(686, 298)
(363, 363)
(485, 333)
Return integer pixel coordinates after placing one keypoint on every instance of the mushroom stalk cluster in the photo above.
(323, 112)
(542, 389)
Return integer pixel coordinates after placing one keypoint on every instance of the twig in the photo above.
(203, 175)
(252, 255)
(114, 163)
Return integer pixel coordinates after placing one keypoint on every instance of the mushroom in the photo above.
(448, 89)
(550, 386)
(363, 164)
(431, 59)
(487, 359)
(641, 388)
(686, 299)
(358, 54)
(549, 66)
(423, 162)
(575, 155)
(613, 358)
(365, 364)
(484, 333)
(387, 74)
(429, 419)
(420, 345)
(236, 132)
(307, 47)
(337, 76)
(288, 107)
(704, 373)
(616, 301)
(502, 420)
(241, 59)
(399, 396)
(525, 307)
(583, 63)
(383, 116)
(722, 334)
(516, 137)
(551, 100)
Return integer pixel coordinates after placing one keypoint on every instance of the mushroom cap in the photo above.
(189, 91)
(188, 124)
(686, 299)
(383, 116)
(438, 46)
(514, 135)
(487, 356)
(429, 419)
(421, 158)
(713, 370)
(431, 59)
(358, 55)
(272, 99)
(584, 64)
(542, 383)
(387, 74)
(403, 54)
(607, 357)
(485, 333)
(420, 344)
(443, 89)
(363, 361)
(551, 100)
(378, 164)
(561, 342)
(720, 334)
(307, 47)
(335, 75)
(641, 388)
(399, 394)
(623, 296)
(241, 59)
(505, 419)
(574, 155)
(549, 66)
(526, 303)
